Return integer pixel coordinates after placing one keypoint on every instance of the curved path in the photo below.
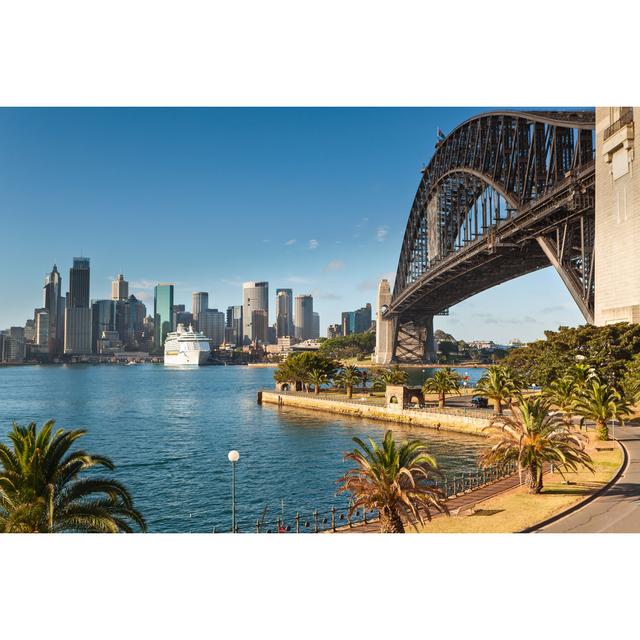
(617, 510)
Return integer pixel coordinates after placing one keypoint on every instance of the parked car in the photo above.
(479, 402)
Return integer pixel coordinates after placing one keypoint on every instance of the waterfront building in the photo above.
(109, 343)
(284, 313)
(303, 318)
(384, 326)
(315, 333)
(54, 303)
(77, 318)
(119, 288)
(103, 318)
(617, 216)
(259, 325)
(162, 313)
(13, 347)
(30, 330)
(334, 330)
(212, 322)
(255, 297)
(199, 303)
(130, 315)
(235, 324)
(42, 330)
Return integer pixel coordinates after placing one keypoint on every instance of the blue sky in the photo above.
(312, 199)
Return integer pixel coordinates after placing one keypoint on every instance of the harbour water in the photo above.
(169, 431)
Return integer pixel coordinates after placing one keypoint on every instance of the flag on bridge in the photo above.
(440, 134)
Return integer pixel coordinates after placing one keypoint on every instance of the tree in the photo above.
(296, 368)
(531, 437)
(355, 345)
(600, 402)
(317, 377)
(41, 492)
(562, 394)
(607, 349)
(348, 377)
(499, 384)
(390, 375)
(395, 480)
(442, 382)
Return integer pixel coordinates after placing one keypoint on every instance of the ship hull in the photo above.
(193, 357)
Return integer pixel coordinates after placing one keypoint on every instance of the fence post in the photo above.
(297, 522)
(315, 521)
(257, 526)
(333, 518)
(364, 514)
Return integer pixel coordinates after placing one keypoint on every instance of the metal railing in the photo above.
(339, 517)
(626, 117)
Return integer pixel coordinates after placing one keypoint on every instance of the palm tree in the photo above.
(395, 480)
(348, 377)
(442, 382)
(581, 374)
(600, 402)
(531, 437)
(40, 491)
(499, 384)
(317, 377)
(562, 394)
(390, 376)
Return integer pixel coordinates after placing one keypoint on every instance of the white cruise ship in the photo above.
(186, 346)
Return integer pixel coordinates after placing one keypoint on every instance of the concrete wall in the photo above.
(441, 421)
(617, 248)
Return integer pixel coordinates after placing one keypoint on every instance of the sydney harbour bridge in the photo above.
(506, 193)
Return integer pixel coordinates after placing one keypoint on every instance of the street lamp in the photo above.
(233, 456)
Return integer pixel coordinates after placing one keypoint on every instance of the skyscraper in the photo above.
(315, 334)
(211, 322)
(255, 297)
(42, 330)
(120, 289)
(199, 302)
(303, 319)
(284, 312)
(162, 313)
(103, 318)
(259, 325)
(53, 302)
(77, 317)
(234, 322)
(363, 319)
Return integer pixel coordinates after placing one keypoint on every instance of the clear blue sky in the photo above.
(312, 199)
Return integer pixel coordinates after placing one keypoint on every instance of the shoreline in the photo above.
(458, 421)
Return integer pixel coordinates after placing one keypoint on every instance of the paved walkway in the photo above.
(617, 510)
(461, 502)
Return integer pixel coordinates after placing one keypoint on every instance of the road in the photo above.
(618, 509)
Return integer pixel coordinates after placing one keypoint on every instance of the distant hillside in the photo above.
(441, 336)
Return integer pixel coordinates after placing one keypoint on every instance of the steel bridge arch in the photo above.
(541, 163)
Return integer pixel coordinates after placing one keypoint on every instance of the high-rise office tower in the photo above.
(53, 302)
(211, 322)
(77, 316)
(199, 302)
(103, 318)
(130, 316)
(363, 319)
(119, 288)
(260, 325)
(348, 322)
(234, 322)
(255, 297)
(162, 314)
(303, 318)
(315, 334)
(284, 312)
(42, 330)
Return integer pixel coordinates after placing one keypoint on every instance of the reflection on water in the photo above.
(169, 431)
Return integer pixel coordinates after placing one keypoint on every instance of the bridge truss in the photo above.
(505, 194)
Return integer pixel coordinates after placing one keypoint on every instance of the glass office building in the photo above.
(162, 313)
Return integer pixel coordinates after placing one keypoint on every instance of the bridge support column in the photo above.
(429, 342)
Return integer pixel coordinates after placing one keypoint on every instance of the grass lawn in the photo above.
(516, 509)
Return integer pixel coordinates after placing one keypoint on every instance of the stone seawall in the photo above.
(434, 420)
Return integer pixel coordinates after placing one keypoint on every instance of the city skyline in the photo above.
(325, 198)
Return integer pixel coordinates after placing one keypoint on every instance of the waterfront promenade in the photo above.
(617, 510)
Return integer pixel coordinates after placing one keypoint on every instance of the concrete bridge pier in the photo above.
(429, 342)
